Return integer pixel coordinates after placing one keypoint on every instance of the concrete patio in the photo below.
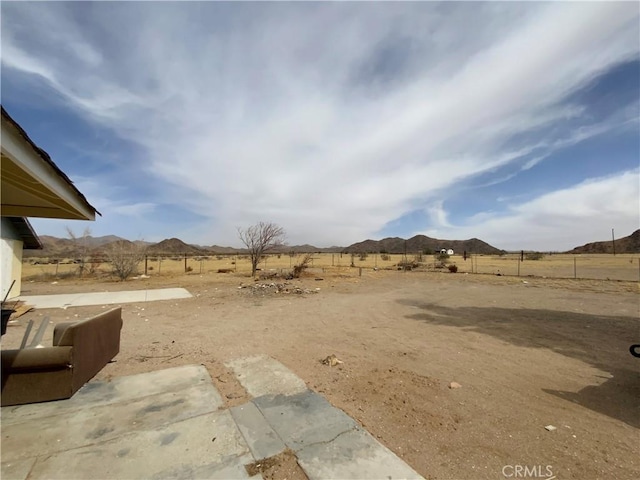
(172, 424)
(65, 300)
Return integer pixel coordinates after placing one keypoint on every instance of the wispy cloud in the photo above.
(329, 119)
(555, 220)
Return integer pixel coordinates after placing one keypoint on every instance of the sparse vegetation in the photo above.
(443, 257)
(534, 256)
(124, 258)
(453, 268)
(259, 239)
(385, 257)
(94, 264)
(302, 266)
(407, 265)
(81, 246)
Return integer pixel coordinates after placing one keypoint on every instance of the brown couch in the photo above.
(80, 350)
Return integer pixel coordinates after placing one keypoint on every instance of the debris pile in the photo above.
(331, 360)
(284, 288)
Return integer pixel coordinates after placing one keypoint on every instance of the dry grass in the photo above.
(593, 266)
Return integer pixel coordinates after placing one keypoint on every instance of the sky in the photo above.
(516, 123)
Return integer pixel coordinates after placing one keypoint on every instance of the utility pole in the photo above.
(613, 242)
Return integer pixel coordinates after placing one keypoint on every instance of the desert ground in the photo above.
(527, 352)
(586, 266)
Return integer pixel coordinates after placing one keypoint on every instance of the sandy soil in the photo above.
(527, 353)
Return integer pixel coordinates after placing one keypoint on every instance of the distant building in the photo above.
(32, 186)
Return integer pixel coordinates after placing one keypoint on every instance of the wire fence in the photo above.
(622, 267)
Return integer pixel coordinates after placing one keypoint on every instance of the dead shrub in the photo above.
(302, 266)
(124, 257)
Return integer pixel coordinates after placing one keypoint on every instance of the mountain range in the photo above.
(422, 243)
(67, 248)
(630, 244)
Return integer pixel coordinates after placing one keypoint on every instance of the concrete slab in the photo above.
(262, 375)
(122, 389)
(81, 427)
(304, 419)
(192, 448)
(354, 454)
(103, 298)
(230, 469)
(169, 424)
(263, 441)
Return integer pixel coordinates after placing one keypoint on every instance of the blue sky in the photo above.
(516, 123)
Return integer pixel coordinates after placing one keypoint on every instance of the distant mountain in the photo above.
(117, 244)
(306, 248)
(630, 244)
(67, 248)
(99, 241)
(222, 250)
(420, 243)
(175, 246)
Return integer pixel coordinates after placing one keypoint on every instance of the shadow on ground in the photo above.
(601, 341)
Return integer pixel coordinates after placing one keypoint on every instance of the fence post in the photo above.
(145, 264)
(185, 263)
(360, 273)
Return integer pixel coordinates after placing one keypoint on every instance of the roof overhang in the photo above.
(23, 228)
(32, 184)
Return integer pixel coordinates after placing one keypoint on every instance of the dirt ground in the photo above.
(527, 353)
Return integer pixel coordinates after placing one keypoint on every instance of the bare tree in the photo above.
(81, 247)
(259, 239)
(124, 257)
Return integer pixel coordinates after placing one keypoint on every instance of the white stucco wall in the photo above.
(10, 260)
(10, 266)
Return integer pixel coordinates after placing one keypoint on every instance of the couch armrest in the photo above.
(58, 331)
(37, 359)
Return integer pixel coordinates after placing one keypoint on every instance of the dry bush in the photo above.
(302, 266)
(124, 257)
(94, 263)
(407, 265)
(81, 247)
